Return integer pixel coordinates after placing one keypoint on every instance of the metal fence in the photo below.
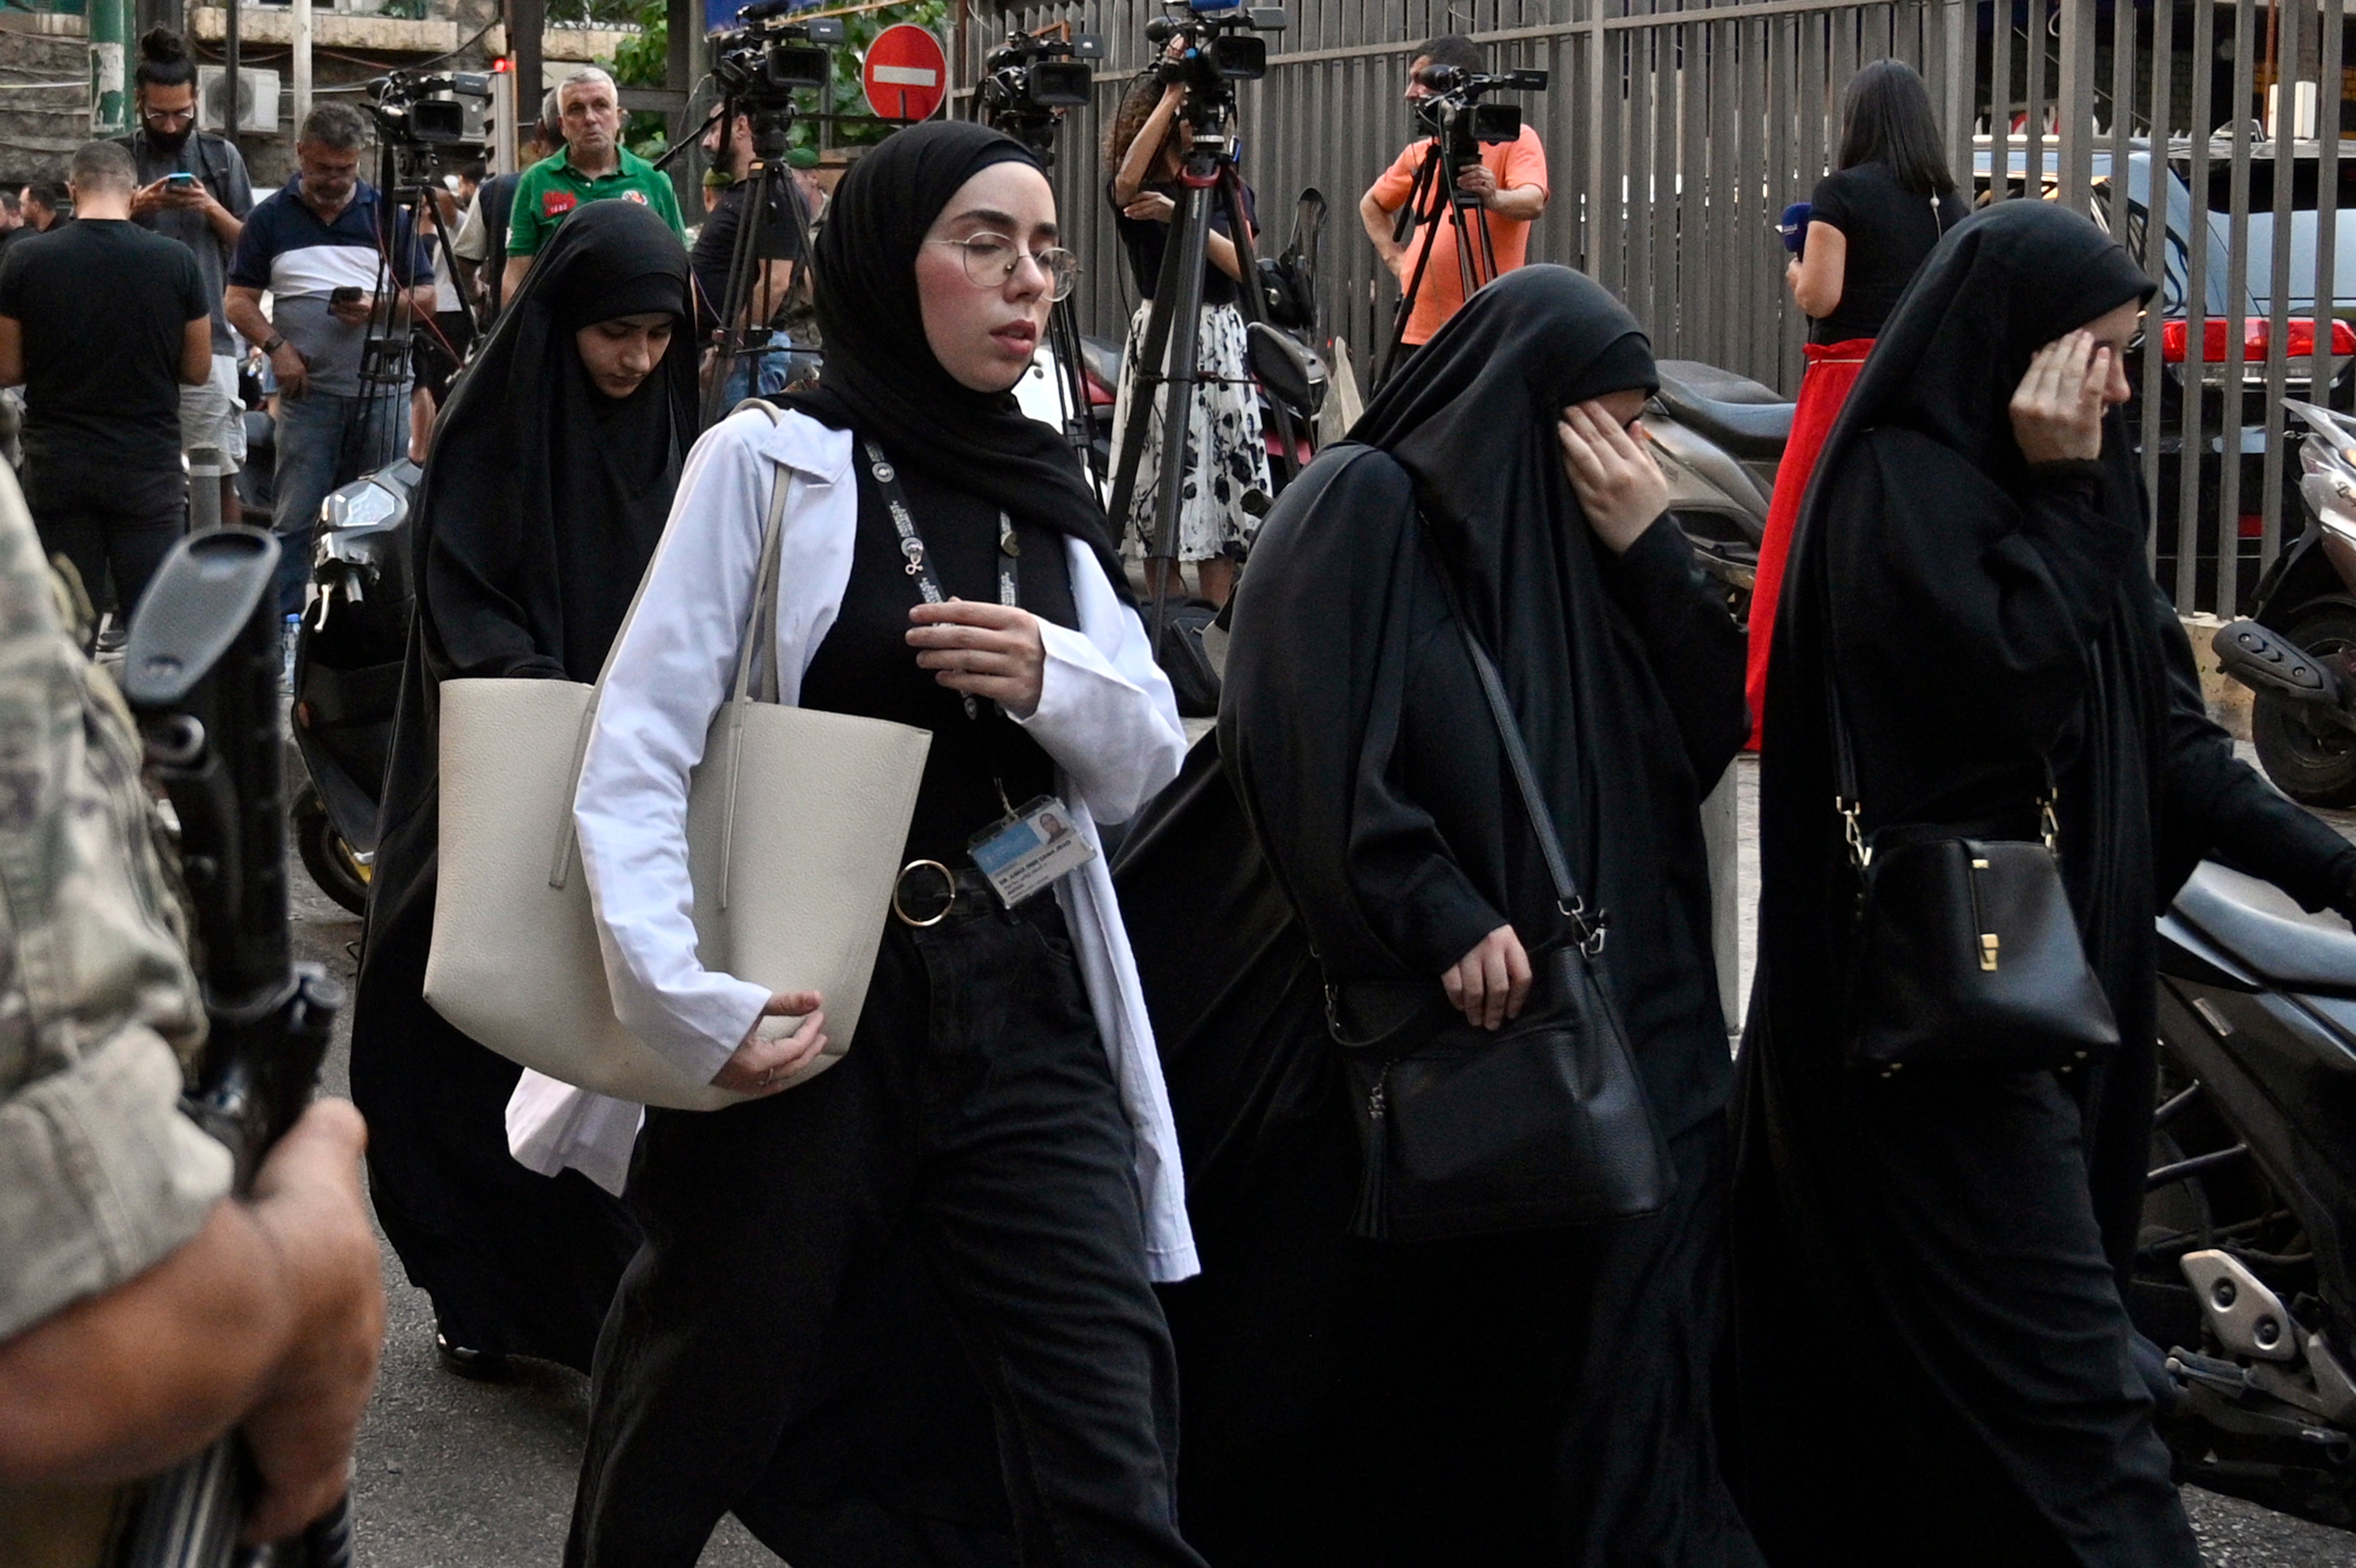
(1677, 134)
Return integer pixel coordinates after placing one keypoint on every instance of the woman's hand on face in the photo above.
(1618, 485)
(1490, 984)
(759, 1066)
(986, 650)
(2057, 413)
(1151, 205)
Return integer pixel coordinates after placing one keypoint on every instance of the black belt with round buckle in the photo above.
(926, 891)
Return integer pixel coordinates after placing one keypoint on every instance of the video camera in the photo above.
(761, 64)
(429, 123)
(1221, 44)
(1028, 81)
(1455, 114)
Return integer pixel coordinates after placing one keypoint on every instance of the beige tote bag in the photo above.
(795, 824)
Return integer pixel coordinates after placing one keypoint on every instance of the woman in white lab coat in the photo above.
(1001, 1112)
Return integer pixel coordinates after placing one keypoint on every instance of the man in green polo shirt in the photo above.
(593, 167)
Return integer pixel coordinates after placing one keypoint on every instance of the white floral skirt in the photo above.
(1226, 459)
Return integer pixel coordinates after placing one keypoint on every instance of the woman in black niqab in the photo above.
(1935, 1363)
(1540, 1396)
(539, 509)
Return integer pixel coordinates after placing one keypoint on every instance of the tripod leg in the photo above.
(1064, 338)
(743, 263)
(1425, 178)
(1143, 367)
(1188, 245)
(1467, 278)
(1253, 306)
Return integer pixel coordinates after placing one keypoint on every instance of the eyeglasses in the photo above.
(169, 116)
(991, 259)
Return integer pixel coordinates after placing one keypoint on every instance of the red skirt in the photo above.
(1832, 370)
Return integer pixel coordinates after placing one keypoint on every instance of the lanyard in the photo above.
(920, 565)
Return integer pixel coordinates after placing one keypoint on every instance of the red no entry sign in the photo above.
(906, 73)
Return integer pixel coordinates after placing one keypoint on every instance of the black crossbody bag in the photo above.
(1967, 953)
(1541, 1123)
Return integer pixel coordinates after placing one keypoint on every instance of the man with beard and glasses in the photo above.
(193, 188)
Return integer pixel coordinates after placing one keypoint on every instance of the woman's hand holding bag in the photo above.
(763, 1065)
(1490, 984)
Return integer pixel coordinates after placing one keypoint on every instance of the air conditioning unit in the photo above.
(257, 99)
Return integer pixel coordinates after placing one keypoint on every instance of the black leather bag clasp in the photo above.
(1540, 1123)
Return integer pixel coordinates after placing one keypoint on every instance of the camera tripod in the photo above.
(1036, 130)
(769, 182)
(1171, 353)
(1435, 188)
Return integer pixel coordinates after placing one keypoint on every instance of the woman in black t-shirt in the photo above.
(1871, 224)
(1228, 461)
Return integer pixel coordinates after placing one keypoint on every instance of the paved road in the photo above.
(459, 1475)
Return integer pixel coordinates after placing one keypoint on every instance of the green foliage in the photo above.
(644, 61)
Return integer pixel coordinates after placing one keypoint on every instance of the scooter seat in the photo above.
(1749, 421)
(2264, 931)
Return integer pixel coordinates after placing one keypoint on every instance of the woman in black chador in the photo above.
(1540, 1396)
(551, 473)
(1935, 1363)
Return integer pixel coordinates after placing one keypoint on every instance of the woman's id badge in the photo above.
(1031, 849)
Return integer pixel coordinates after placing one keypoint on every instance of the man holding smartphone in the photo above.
(323, 247)
(193, 188)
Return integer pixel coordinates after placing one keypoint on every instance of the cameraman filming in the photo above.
(143, 1311)
(1510, 179)
(779, 243)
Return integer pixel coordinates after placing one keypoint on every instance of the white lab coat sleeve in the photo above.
(670, 676)
(1105, 713)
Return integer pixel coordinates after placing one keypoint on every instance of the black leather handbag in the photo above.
(1967, 950)
(1541, 1123)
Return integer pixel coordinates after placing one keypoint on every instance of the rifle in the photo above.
(201, 674)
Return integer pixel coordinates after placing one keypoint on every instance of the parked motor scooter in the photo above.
(348, 660)
(2245, 1269)
(1718, 437)
(2297, 652)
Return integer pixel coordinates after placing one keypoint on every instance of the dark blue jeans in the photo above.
(325, 441)
(976, 1121)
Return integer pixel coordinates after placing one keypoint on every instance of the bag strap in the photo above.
(1846, 800)
(749, 650)
(1587, 930)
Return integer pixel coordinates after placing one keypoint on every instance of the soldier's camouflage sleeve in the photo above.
(101, 1176)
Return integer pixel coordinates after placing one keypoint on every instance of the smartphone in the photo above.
(182, 181)
(348, 295)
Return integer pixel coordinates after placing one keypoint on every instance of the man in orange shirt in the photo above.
(1510, 179)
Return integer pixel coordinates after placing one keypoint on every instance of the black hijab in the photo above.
(541, 505)
(1473, 421)
(881, 378)
(2010, 279)
(1368, 762)
(544, 497)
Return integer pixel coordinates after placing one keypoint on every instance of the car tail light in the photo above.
(2257, 331)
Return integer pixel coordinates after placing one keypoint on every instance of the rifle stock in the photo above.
(201, 674)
